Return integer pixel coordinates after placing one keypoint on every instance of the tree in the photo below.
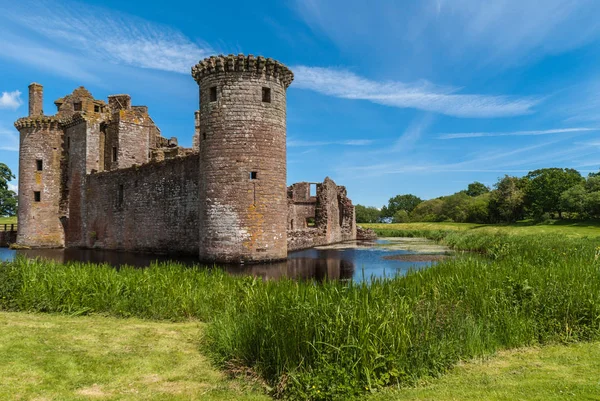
(400, 202)
(507, 201)
(478, 209)
(573, 200)
(430, 210)
(8, 198)
(476, 188)
(545, 186)
(367, 214)
(401, 216)
(455, 207)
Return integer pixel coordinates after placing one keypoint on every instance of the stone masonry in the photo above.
(100, 175)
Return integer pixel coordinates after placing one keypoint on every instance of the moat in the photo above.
(357, 260)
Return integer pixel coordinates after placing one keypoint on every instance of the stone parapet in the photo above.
(241, 63)
(38, 122)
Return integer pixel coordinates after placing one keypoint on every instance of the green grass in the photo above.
(337, 340)
(50, 357)
(554, 372)
(8, 220)
(564, 227)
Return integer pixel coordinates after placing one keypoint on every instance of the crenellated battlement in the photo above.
(38, 122)
(241, 63)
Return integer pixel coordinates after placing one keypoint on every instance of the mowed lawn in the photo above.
(8, 220)
(555, 372)
(53, 357)
(566, 227)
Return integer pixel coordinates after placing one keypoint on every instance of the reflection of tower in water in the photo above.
(327, 266)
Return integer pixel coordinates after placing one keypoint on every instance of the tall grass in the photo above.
(335, 340)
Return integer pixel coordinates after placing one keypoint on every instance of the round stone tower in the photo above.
(242, 144)
(40, 155)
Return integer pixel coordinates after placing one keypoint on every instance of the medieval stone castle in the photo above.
(100, 175)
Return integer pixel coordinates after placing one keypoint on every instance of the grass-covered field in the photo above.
(51, 357)
(339, 340)
(564, 227)
(8, 220)
(54, 357)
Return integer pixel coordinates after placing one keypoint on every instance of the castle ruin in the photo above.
(100, 175)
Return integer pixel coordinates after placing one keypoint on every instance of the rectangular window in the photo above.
(266, 95)
(97, 108)
(77, 106)
(37, 196)
(253, 175)
(120, 195)
(114, 154)
(39, 164)
(213, 94)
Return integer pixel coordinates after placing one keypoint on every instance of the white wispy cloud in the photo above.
(352, 142)
(11, 100)
(460, 135)
(413, 133)
(9, 140)
(110, 36)
(473, 33)
(422, 96)
(13, 187)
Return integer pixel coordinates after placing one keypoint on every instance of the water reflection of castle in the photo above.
(327, 265)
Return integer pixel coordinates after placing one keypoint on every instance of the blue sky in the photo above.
(389, 97)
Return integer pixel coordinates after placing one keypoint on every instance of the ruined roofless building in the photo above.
(100, 175)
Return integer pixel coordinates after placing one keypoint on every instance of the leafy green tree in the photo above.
(592, 184)
(478, 209)
(507, 201)
(367, 214)
(545, 186)
(400, 202)
(8, 198)
(401, 216)
(592, 204)
(573, 200)
(455, 207)
(476, 188)
(430, 210)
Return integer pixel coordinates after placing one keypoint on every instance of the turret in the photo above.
(242, 145)
(40, 181)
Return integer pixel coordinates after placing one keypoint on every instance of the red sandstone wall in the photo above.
(159, 211)
(242, 219)
(39, 223)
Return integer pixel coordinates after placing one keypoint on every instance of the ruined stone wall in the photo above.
(41, 138)
(243, 218)
(301, 206)
(150, 208)
(333, 212)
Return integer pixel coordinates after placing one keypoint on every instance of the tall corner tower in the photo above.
(242, 145)
(40, 176)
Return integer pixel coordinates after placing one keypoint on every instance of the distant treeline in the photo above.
(542, 194)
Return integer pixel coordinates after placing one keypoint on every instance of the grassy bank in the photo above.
(51, 357)
(568, 228)
(337, 340)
